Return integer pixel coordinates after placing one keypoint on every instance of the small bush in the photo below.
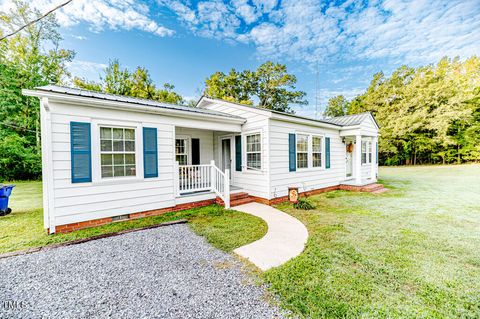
(304, 204)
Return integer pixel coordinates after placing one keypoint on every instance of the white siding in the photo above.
(254, 182)
(105, 198)
(305, 179)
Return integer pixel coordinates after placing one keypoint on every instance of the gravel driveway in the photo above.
(166, 272)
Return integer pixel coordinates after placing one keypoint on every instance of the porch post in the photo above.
(212, 175)
(358, 159)
(176, 178)
(227, 188)
(373, 164)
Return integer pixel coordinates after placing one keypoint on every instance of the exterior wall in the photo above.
(77, 202)
(206, 142)
(256, 183)
(305, 179)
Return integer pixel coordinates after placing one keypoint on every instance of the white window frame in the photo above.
(368, 152)
(322, 150)
(245, 152)
(113, 152)
(302, 152)
(187, 148)
(96, 157)
(310, 137)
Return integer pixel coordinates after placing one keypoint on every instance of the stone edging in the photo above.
(84, 240)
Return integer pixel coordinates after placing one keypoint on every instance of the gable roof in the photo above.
(131, 100)
(346, 120)
(350, 120)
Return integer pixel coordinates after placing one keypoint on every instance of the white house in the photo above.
(107, 157)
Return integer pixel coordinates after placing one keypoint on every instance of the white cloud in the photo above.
(101, 14)
(411, 31)
(86, 69)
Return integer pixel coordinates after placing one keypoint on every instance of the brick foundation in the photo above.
(238, 199)
(102, 221)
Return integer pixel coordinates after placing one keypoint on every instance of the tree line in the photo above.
(427, 115)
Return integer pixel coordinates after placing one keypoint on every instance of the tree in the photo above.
(270, 84)
(121, 81)
(426, 114)
(337, 106)
(28, 59)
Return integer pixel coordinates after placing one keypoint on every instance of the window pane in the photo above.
(129, 146)
(118, 171)
(130, 170)
(179, 146)
(107, 171)
(118, 133)
(118, 159)
(254, 160)
(129, 134)
(129, 158)
(253, 143)
(302, 143)
(302, 160)
(106, 146)
(364, 147)
(317, 159)
(118, 164)
(118, 146)
(181, 159)
(106, 133)
(364, 158)
(107, 159)
(316, 144)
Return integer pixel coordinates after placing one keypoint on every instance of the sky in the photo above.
(332, 47)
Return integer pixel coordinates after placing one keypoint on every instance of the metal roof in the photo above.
(348, 120)
(132, 100)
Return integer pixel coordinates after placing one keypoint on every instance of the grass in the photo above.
(413, 252)
(23, 228)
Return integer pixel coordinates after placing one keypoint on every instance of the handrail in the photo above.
(194, 178)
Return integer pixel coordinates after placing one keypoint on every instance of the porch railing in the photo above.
(206, 177)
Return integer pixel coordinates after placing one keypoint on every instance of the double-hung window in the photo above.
(117, 152)
(181, 153)
(317, 142)
(364, 152)
(254, 151)
(302, 151)
(369, 150)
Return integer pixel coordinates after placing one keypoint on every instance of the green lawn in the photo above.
(413, 252)
(23, 228)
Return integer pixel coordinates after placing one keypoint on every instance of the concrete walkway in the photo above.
(285, 238)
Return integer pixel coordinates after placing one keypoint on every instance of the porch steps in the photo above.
(238, 198)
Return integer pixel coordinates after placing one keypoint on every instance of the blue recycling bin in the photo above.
(5, 191)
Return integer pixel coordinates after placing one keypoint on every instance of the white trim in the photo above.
(96, 158)
(245, 168)
(188, 148)
(310, 151)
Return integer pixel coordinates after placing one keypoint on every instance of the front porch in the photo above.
(361, 158)
(203, 166)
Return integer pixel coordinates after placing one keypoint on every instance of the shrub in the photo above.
(304, 204)
(18, 160)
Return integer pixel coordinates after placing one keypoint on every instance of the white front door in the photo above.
(349, 162)
(227, 155)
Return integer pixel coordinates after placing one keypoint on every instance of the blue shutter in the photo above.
(377, 152)
(292, 150)
(238, 153)
(150, 153)
(81, 152)
(327, 152)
